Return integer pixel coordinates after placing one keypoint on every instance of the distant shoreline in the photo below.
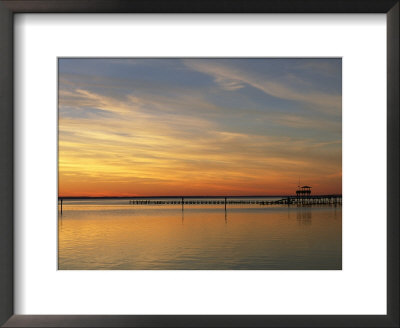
(168, 197)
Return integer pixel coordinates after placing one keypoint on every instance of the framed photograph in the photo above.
(213, 164)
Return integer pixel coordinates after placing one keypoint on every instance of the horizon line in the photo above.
(182, 196)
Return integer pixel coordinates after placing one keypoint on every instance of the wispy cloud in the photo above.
(271, 86)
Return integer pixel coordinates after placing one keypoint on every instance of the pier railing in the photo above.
(222, 200)
(287, 200)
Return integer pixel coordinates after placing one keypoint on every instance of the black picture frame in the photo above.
(10, 7)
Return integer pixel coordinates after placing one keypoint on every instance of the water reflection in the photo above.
(114, 236)
(304, 216)
(60, 221)
(335, 213)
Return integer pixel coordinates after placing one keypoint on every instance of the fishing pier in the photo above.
(303, 197)
(233, 200)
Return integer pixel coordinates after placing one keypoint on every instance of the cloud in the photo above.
(238, 77)
(228, 83)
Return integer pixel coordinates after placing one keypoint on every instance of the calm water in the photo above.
(113, 235)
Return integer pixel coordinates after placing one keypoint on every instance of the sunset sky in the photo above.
(159, 127)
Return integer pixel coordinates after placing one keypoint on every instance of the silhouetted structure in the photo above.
(303, 194)
(305, 199)
(303, 191)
